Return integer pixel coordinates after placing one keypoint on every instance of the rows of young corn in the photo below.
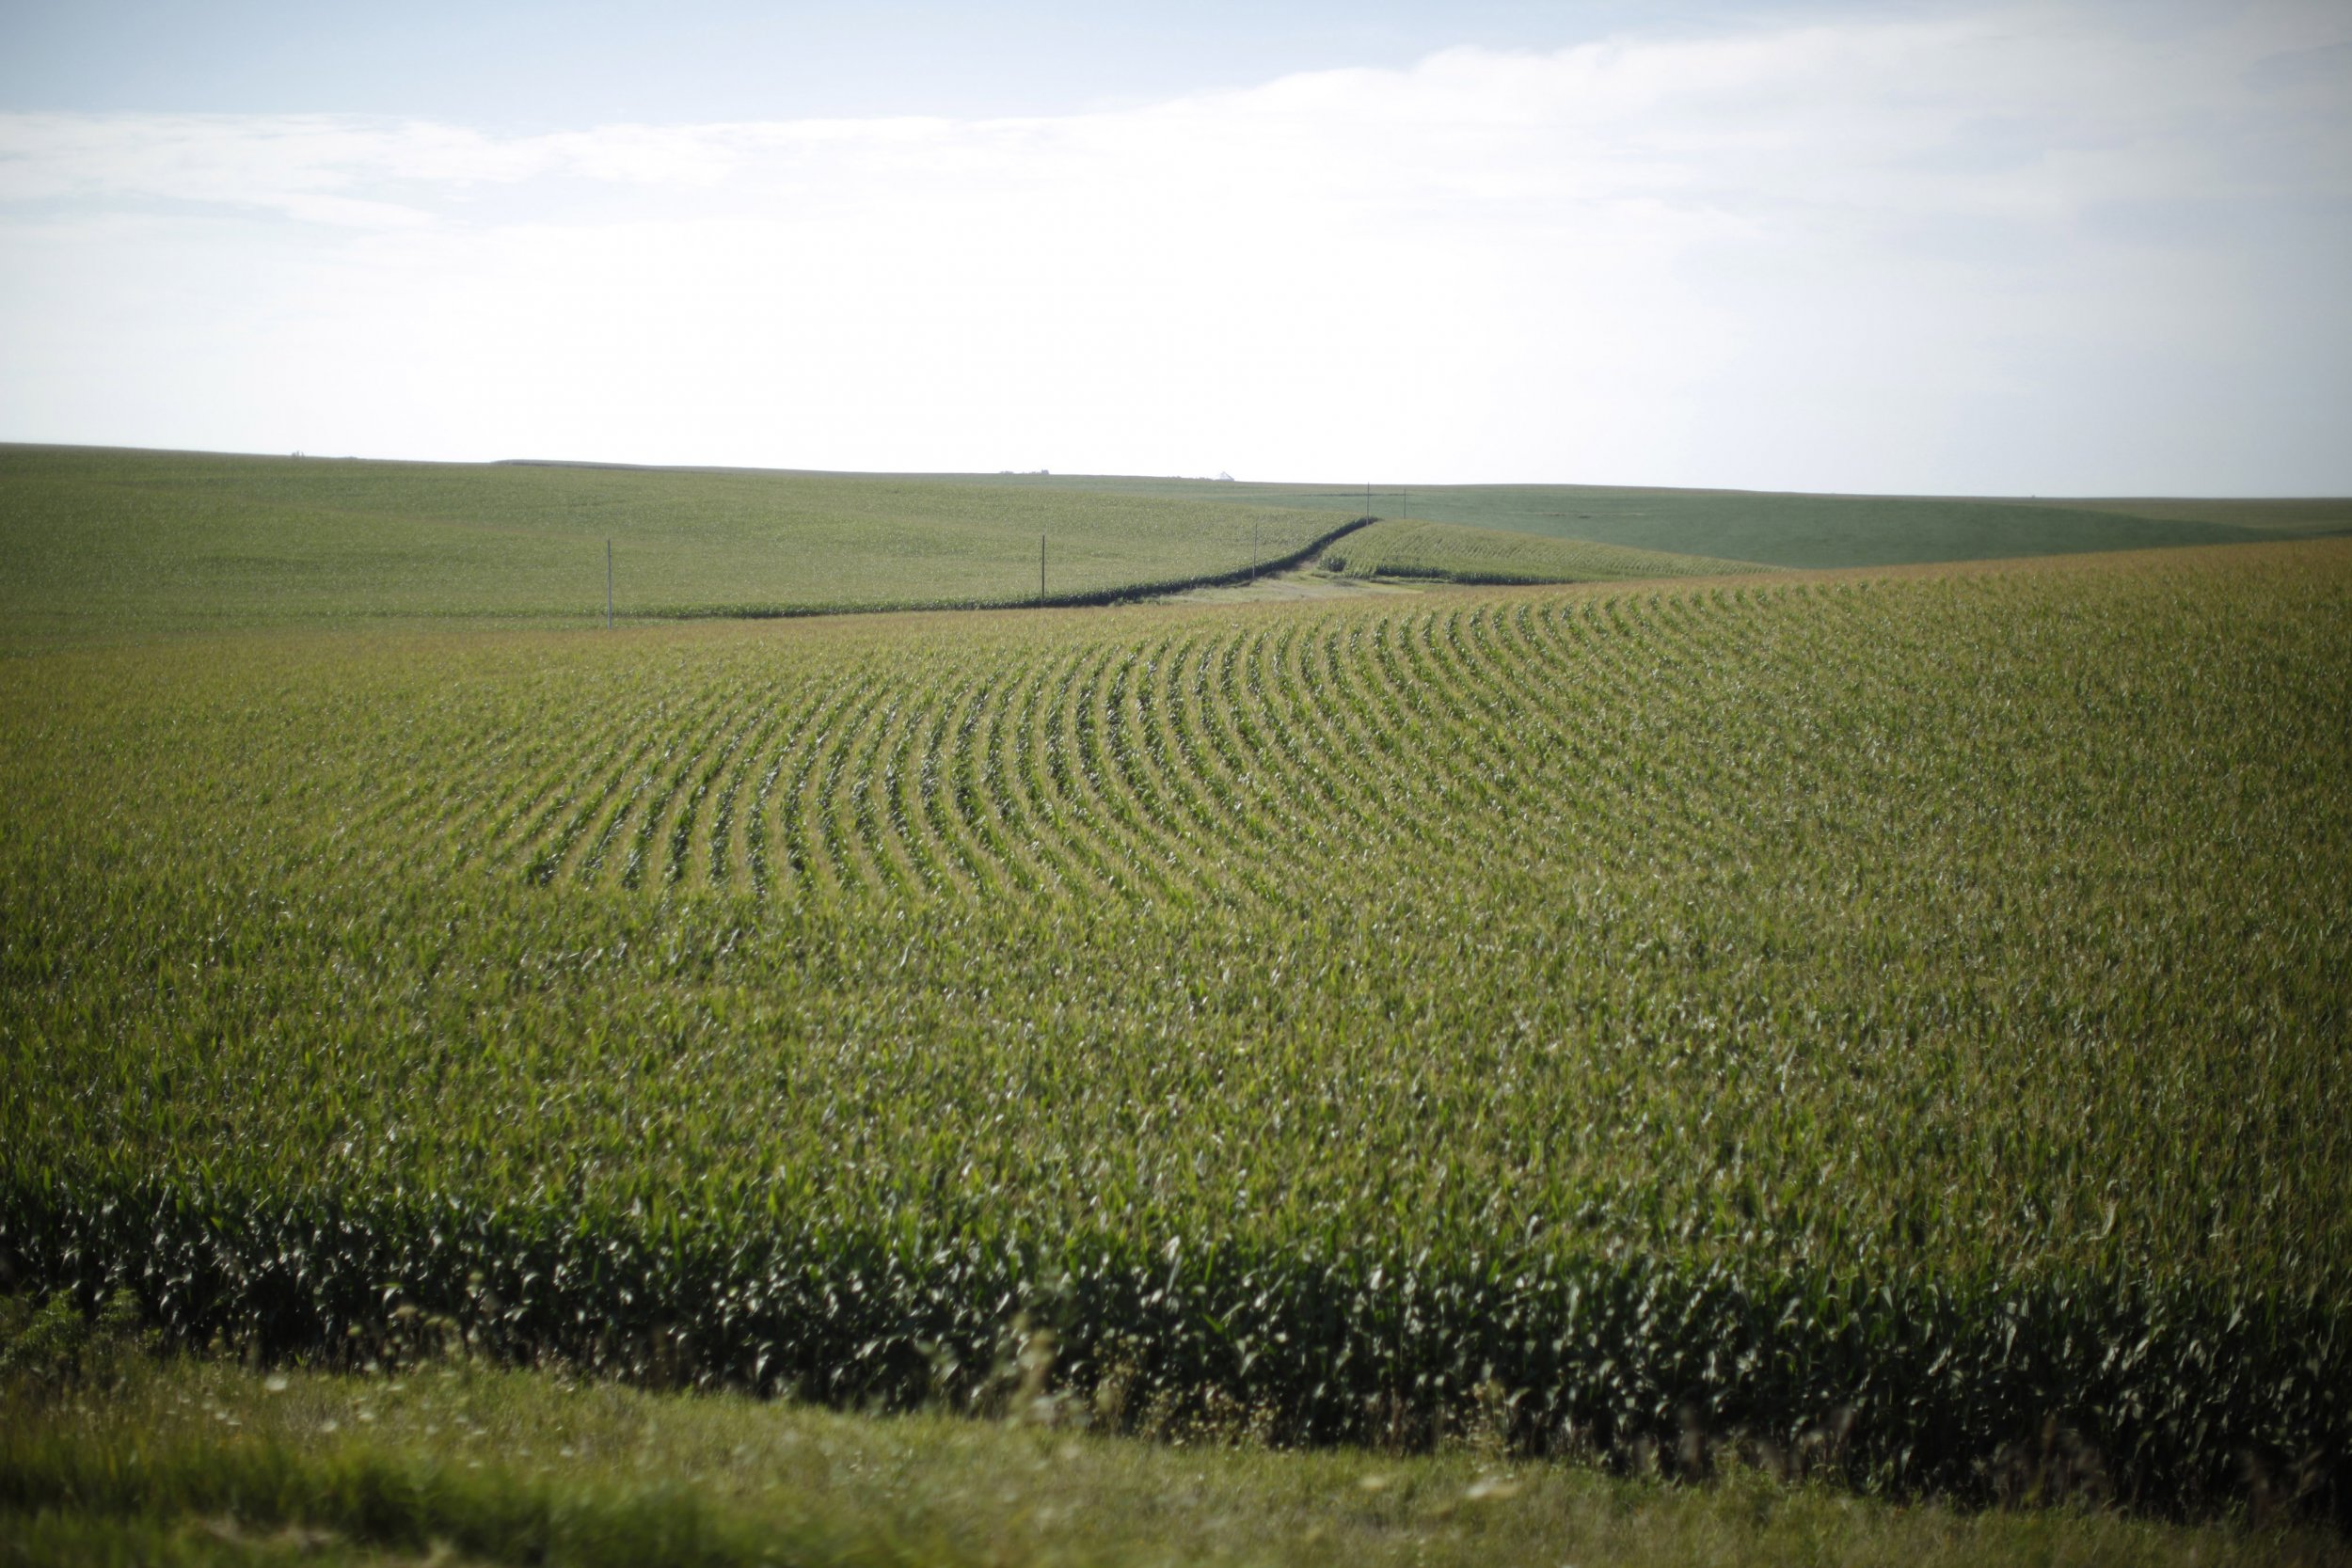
(1898, 1024)
(1197, 760)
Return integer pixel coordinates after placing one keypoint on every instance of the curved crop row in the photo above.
(1211, 756)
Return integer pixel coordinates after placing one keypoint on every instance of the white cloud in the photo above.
(2025, 249)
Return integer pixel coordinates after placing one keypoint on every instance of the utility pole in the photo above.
(1253, 549)
(1040, 569)
(607, 585)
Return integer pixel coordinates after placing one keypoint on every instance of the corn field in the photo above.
(1893, 1028)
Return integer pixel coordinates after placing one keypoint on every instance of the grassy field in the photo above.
(1784, 529)
(1897, 1024)
(1450, 552)
(97, 543)
(453, 1462)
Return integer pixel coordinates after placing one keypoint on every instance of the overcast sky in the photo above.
(2050, 248)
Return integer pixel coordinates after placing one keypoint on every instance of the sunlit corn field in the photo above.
(1898, 1023)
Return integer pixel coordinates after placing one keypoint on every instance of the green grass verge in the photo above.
(1451, 552)
(451, 1463)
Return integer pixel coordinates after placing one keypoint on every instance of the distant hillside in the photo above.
(100, 543)
(1786, 529)
(1401, 547)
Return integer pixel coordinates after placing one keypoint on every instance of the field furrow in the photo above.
(658, 839)
(741, 789)
(803, 863)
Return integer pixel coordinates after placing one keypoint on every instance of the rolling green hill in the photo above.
(97, 542)
(1791, 530)
(1450, 552)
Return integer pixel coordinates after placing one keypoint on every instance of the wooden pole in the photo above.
(607, 585)
(1040, 569)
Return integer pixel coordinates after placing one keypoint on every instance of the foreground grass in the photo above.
(205, 1462)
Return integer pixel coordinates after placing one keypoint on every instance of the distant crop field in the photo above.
(1898, 1020)
(1450, 552)
(97, 543)
(1786, 529)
